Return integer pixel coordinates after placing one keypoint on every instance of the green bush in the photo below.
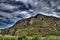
(36, 37)
(23, 37)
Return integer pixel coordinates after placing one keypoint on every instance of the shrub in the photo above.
(23, 37)
(36, 38)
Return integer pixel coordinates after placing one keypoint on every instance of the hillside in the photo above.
(39, 24)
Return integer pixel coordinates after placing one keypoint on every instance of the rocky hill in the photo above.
(40, 24)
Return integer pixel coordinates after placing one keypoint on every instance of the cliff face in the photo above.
(39, 24)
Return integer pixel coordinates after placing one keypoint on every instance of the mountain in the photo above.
(39, 24)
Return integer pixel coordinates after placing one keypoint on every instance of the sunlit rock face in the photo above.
(12, 11)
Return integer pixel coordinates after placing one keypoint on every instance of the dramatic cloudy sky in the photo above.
(12, 11)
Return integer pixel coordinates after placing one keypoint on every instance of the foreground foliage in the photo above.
(24, 37)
